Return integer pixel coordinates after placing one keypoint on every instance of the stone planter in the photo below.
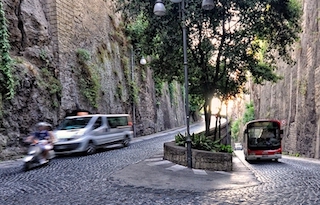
(213, 161)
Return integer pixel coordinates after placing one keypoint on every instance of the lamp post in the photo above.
(142, 62)
(159, 10)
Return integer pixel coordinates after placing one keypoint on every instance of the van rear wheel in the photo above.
(91, 148)
(26, 166)
(126, 142)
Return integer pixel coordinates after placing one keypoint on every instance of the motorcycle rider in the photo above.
(44, 138)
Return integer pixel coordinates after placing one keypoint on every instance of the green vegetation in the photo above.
(43, 56)
(202, 142)
(264, 31)
(134, 92)
(247, 116)
(7, 82)
(172, 93)
(48, 82)
(135, 32)
(89, 81)
(126, 68)
(291, 154)
(248, 113)
(158, 86)
(143, 75)
(235, 129)
(303, 86)
(119, 91)
(83, 55)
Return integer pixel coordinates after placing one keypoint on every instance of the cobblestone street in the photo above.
(90, 180)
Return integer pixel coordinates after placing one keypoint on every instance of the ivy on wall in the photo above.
(173, 93)
(7, 85)
(89, 81)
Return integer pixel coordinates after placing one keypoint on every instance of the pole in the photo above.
(228, 136)
(132, 103)
(186, 82)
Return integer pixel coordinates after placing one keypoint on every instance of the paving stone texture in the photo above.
(138, 175)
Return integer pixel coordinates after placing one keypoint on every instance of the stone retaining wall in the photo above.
(218, 161)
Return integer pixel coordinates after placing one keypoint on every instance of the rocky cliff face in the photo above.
(69, 56)
(296, 98)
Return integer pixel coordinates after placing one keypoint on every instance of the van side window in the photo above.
(98, 123)
(117, 121)
(122, 121)
(112, 122)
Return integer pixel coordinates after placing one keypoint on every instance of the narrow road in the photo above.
(87, 180)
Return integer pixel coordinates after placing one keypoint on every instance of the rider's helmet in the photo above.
(45, 125)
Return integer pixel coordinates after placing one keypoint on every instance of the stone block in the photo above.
(214, 161)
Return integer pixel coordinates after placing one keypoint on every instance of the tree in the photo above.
(224, 44)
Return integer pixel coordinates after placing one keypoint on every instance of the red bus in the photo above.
(262, 140)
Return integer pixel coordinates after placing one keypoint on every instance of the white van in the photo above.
(86, 133)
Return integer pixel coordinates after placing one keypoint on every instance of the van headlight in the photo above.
(78, 134)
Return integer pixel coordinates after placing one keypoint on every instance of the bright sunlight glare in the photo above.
(216, 105)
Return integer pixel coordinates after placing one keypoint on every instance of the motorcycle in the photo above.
(34, 157)
(41, 143)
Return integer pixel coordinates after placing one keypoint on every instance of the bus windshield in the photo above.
(264, 135)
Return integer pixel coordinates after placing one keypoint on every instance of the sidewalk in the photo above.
(162, 174)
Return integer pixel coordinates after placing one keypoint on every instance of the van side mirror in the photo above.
(281, 132)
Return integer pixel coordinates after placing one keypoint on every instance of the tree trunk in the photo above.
(219, 127)
(215, 129)
(207, 115)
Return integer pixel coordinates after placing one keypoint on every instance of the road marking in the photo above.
(222, 172)
(153, 159)
(199, 172)
(159, 163)
(176, 167)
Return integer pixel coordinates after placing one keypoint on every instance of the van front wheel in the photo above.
(91, 148)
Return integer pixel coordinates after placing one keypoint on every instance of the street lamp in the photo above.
(143, 61)
(160, 10)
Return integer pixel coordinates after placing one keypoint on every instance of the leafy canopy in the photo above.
(235, 37)
(225, 44)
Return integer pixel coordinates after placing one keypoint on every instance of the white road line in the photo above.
(199, 172)
(222, 172)
(159, 163)
(176, 167)
(153, 159)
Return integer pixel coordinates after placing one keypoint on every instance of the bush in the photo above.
(202, 142)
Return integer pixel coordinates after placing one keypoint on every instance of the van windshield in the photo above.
(74, 123)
